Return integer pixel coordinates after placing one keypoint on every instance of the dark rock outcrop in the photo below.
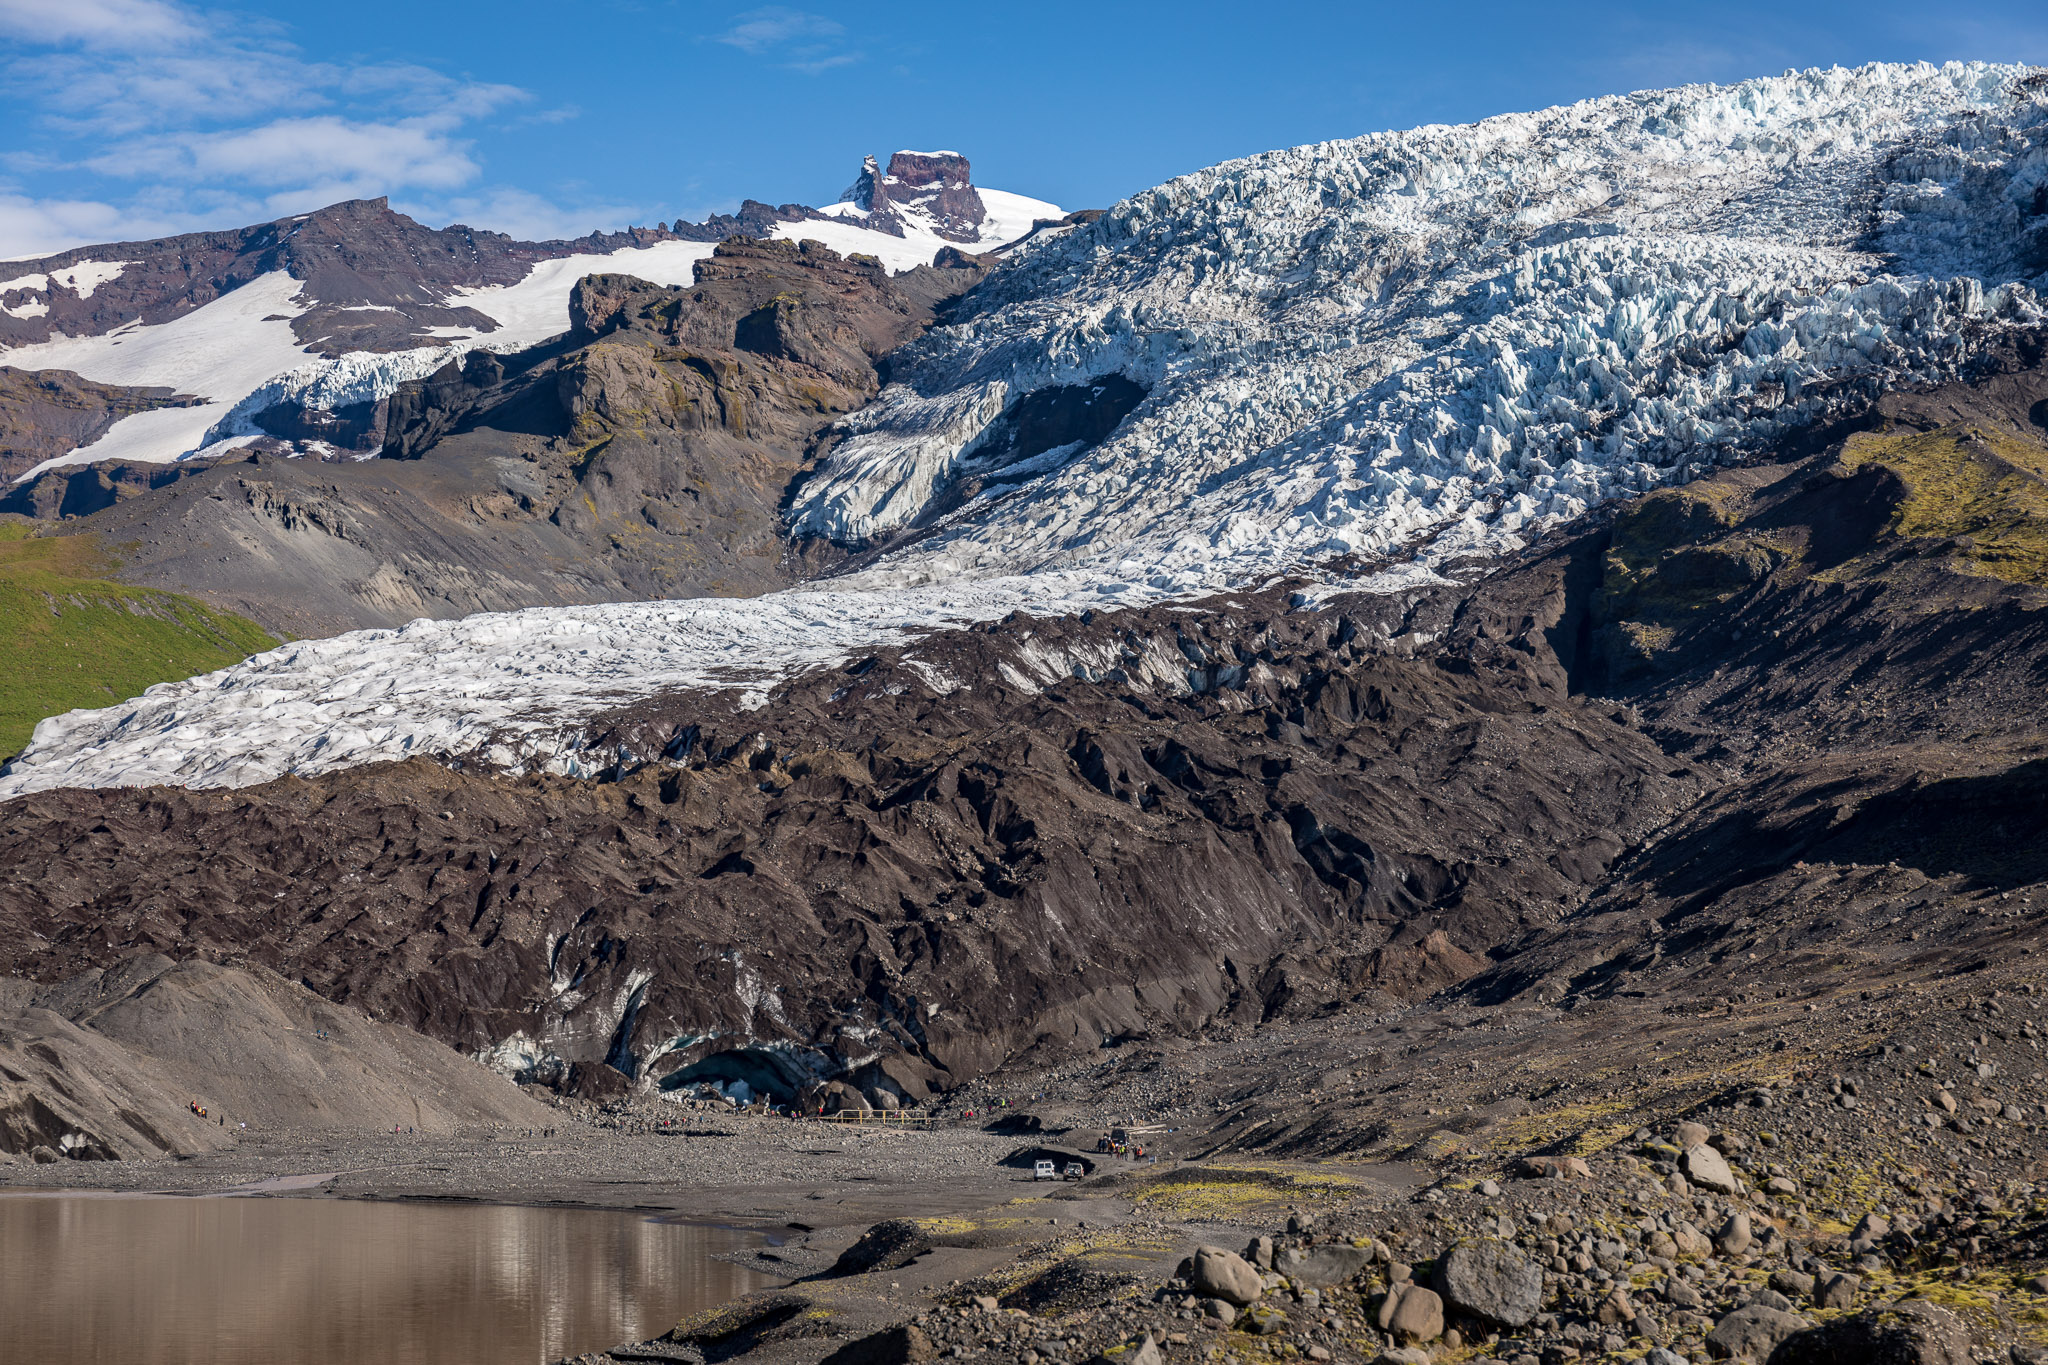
(960, 874)
(48, 413)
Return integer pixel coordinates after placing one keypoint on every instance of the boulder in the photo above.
(1752, 1333)
(888, 1244)
(1913, 1332)
(1552, 1167)
(1224, 1313)
(1418, 1316)
(1836, 1291)
(1705, 1167)
(1143, 1351)
(1323, 1266)
(1691, 1135)
(839, 1097)
(1262, 1320)
(1733, 1237)
(1792, 1284)
(1492, 1280)
(1615, 1309)
(1219, 1274)
(1690, 1240)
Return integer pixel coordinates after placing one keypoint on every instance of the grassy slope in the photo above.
(1986, 488)
(73, 637)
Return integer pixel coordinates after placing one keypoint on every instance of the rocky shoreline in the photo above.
(1752, 1179)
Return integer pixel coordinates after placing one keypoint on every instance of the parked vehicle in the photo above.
(1043, 1171)
(1073, 1171)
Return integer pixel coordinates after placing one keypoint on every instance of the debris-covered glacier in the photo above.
(1438, 339)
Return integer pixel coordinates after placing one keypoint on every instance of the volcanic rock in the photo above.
(1752, 1333)
(1321, 1266)
(1219, 1274)
(1492, 1280)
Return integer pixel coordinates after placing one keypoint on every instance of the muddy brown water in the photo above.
(298, 1281)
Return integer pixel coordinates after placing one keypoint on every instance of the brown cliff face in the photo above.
(47, 413)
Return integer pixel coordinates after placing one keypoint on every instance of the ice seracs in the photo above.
(1464, 332)
(1436, 340)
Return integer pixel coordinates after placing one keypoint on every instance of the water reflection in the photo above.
(299, 1281)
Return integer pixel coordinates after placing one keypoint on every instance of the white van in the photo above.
(1044, 1171)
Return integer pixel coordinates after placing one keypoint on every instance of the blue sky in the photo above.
(131, 118)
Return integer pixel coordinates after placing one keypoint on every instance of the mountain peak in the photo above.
(931, 190)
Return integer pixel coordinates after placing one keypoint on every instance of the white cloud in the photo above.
(801, 41)
(42, 227)
(301, 151)
(120, 24)
(213, 119)
(765, 30)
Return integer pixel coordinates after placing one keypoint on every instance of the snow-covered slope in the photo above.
(240, 353)
(1009, 217)
(1442, 338)
(531, 311)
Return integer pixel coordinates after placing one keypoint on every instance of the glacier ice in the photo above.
(1466, 331)
(1438, 341)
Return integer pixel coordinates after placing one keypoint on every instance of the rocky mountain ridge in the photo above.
(280, 325)
(643, 454)
(936, 187)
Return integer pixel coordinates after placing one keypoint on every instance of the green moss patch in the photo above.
(76, 638)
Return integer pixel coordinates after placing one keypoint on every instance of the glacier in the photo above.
(1428, 344)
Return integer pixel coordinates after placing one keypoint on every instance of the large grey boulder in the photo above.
(1418, 1316)
(1914, 1332)
(1705, 1167)
(1220, 1274)
(1491, 1279)
(1752, 1333)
